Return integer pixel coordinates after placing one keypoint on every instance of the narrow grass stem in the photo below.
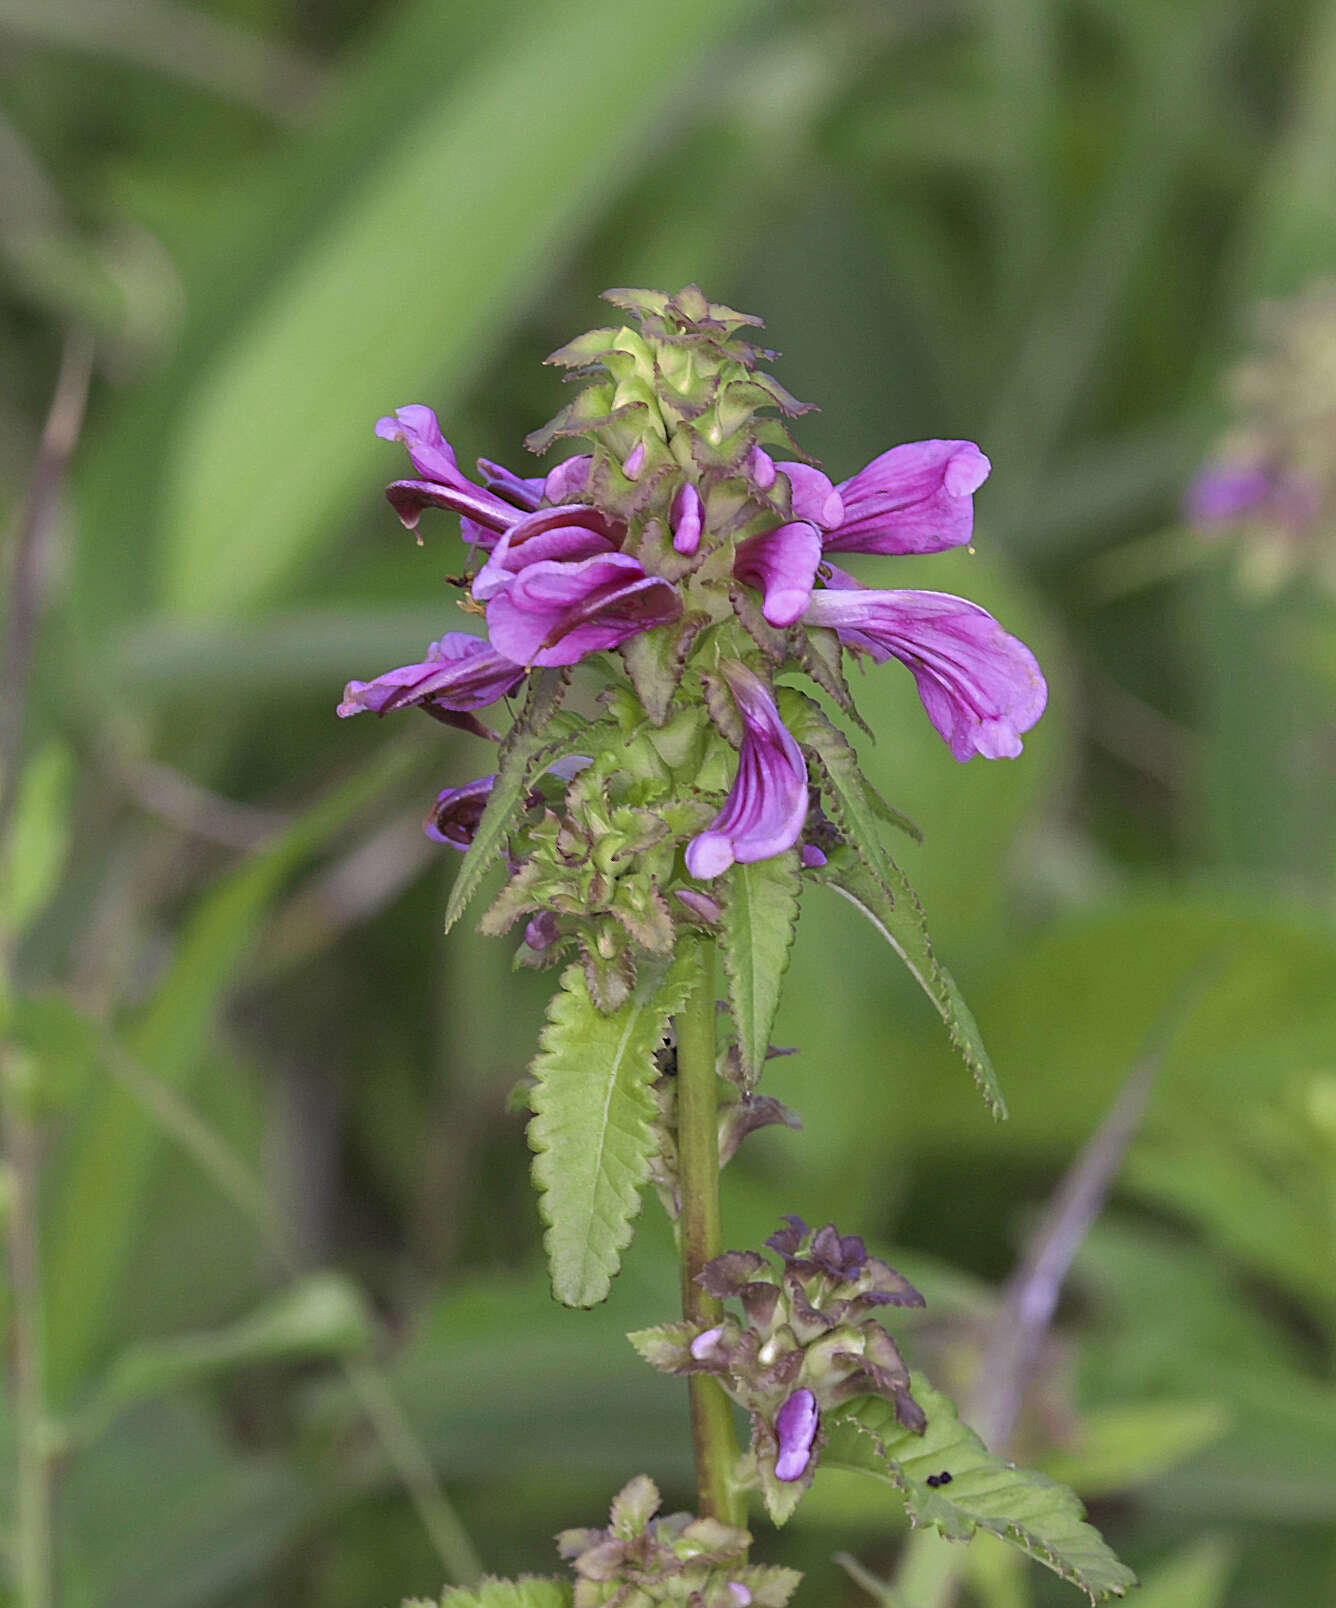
(701, 1238)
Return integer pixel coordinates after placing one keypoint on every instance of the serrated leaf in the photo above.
(759, 920)
(529, 1591)
(593, 1125)
(878, 887)
(1042, 1518)
(528, 745)
(901, 923)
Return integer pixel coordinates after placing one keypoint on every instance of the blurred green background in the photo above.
(293, 1320)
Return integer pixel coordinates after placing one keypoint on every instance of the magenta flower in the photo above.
(981, 687)
(918, 498)
(460, 672)
(556, 612)
(765, 810)
(782, 565)
(796, 1424)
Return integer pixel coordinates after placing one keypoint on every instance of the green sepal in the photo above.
(667, 1346)
(593, 1125)
(1032, 1512)
(772, 642)
(755, 937)
(528, 746)
(529, 1591)
(655, 660)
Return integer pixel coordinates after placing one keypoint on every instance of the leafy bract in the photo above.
(1042, 1518)
(759, 920)
(873, 883)
(529, 743)
(529, 1591)
(593, 1124)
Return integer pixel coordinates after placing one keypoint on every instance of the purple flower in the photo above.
(685, 516)
(571, 532)
(460, 672)
(813, 498)
(796, 1425)
(782, 565)
(1223, 491)
(981, 687)
(455, 815)
(917, 498)
(485, 511)
(555, 612)
(765, 810)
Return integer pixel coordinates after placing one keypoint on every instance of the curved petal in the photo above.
(764, 812)
(555, 613)
(570, 532)
(460, 672)
(484, 514)
(781, 564)
(796, 1424)
(981, 687)
(918, 498)
(417, 427)
(814, 498)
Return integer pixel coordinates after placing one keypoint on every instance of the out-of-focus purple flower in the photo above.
(918, 498)
(782, 565)
(460, 672)
(981, 687)
(814, 497)
(740, 1594)
(1224, 491)
(796, 1425)
(455, 815)
(553, 613)
(764, 812)
(686, 516)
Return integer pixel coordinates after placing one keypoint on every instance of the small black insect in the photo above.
(935, 1480)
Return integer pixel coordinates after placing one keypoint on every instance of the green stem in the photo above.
(701, 1238)
(34, 1541)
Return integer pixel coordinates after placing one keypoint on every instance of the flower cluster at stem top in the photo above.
(695, 539)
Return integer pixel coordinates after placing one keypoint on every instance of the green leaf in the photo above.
(879, 888)
(528, 744)
(529, 1591)
(104, 1175)
(593, 1125)
(343, 330)
(759, 921)
(1043, 1519)
(324, 1315)
(38, 838)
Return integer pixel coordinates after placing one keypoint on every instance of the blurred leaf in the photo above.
(407, 286)
(1043, 1519)
(38, 839)
(760, 913)
(161, 1514)
(1198, 1576)
(324, 1315)
(529, 1592)
(103, 1177)
(1120, 1447)
(592, 1127)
